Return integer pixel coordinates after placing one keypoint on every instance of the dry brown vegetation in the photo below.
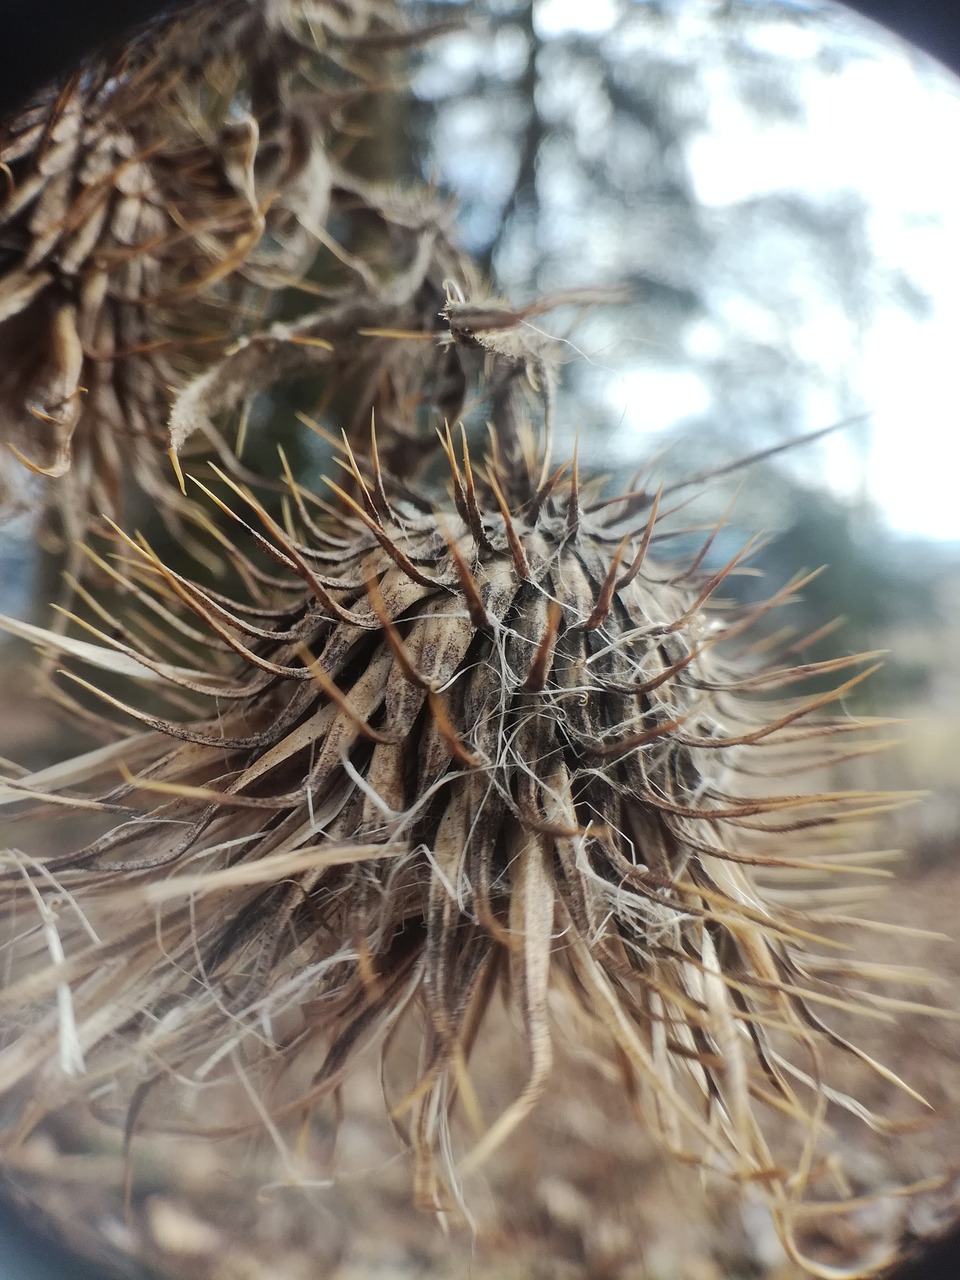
(441, 836)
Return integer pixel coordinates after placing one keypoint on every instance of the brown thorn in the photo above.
(647, 686)
(459, 497)
(637, 562)
(297, 492)
(712, 583)
(455, 744)
(354, 469)
(336, 695)
(537, 675)
(177, 469)
(283, 550)
(607, 590)
(804, 671)
(474, 516)
(400, 559)
(779, 598)
(392, 635)
(194, 598)
(377, 470)
(401, 335)
(814, 704)
(814, 637)
(468, 583)
(573, 506)
(549, 485)
(317, 428)
(520, 562)
(701, 555)
(634, 740)
(630, 496)
(289, 478)
(495, 458)
(242, 428)
(768, 644)
(288, 517)
(698, 480)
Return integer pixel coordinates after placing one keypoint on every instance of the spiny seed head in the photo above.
(437, 750)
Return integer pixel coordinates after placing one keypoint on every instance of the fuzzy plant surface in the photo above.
(432, 748)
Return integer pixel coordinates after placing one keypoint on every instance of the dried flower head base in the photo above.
(435, 751)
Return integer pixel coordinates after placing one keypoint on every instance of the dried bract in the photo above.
(374, 339)
(150, 207)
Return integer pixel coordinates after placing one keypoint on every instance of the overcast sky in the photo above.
(889, 128)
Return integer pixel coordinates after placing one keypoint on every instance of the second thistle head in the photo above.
(436, 749)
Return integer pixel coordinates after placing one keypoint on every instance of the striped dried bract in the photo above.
(149, 209)
(373, 341)
(427, 752)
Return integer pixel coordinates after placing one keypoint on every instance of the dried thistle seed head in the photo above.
(149, 209)
(433, 753)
